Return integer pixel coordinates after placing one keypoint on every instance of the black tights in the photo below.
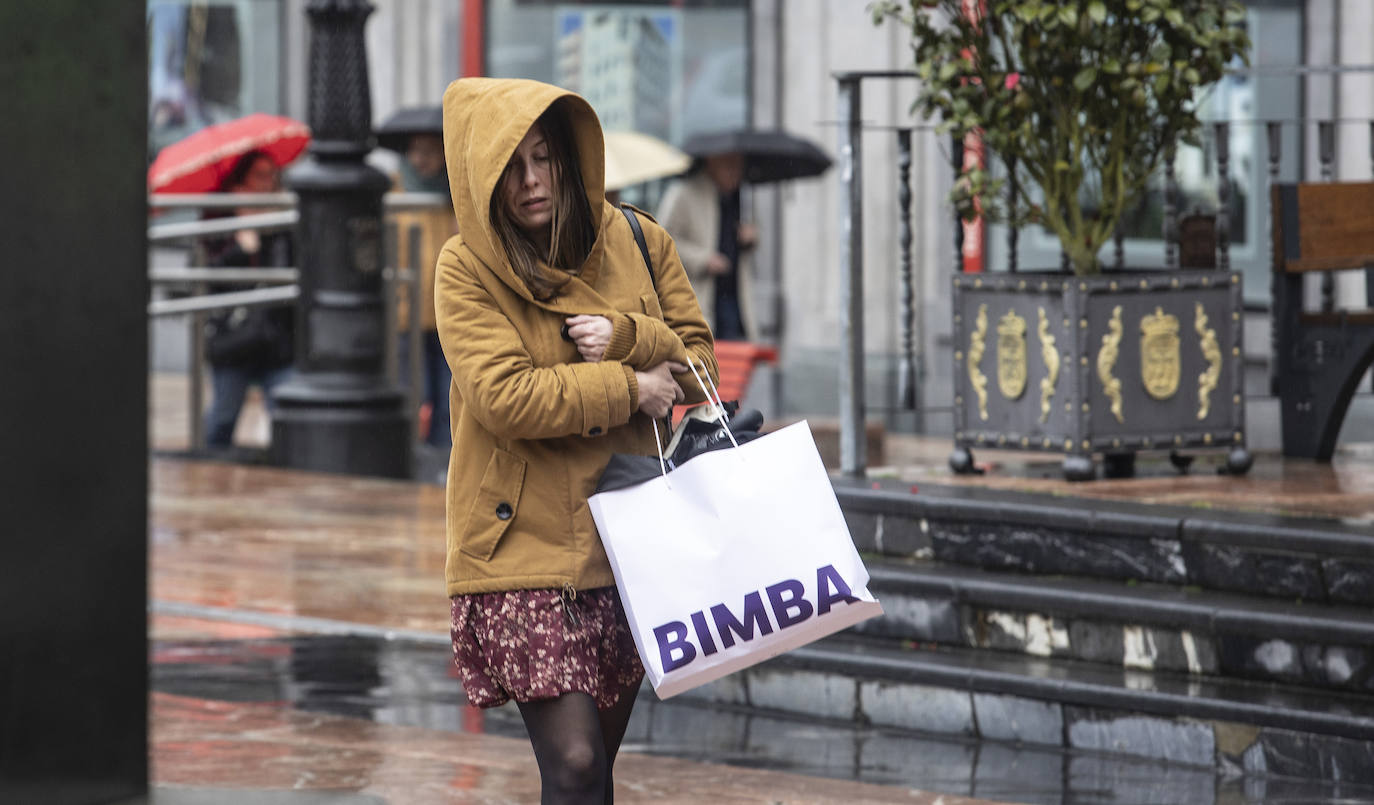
(575, 745)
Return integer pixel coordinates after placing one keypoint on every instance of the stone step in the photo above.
(1304, 559)
(1139, 626)
(1235, 726)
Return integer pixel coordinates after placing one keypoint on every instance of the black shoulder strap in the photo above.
(639, 238)
(648, 264)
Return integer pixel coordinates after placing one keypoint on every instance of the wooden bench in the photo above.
(736, 360)
(1320, 356)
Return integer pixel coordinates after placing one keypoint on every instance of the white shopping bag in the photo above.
(736, 556)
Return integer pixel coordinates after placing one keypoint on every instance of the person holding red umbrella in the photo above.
(244, 346)
(202, 162)
(247, 346)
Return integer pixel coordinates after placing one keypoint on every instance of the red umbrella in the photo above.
(198, 163)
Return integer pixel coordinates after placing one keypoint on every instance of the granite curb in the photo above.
(1246, 727)
(1287, 558)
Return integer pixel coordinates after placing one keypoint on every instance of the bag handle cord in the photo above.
(713, 394)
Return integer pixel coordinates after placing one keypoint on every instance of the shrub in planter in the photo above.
(1082, 100)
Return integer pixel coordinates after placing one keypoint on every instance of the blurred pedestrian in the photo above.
(562, 353)
(422, 171)
(247, 346)
(702, 212)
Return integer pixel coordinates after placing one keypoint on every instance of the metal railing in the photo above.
(218, 201)
(262, 222)
(191, 274)
(206, 303)
(282, 281)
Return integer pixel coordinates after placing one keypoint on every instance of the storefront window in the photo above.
(209, 62)
(666, 70)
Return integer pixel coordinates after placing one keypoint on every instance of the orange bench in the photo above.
(736, 360)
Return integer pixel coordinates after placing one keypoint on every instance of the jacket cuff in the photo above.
(634, 388)
(605, 402)
(622, 338)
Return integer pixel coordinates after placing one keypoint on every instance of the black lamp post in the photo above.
(340, 414)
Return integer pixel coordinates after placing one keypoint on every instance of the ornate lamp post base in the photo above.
(328, 423)
(339, 414)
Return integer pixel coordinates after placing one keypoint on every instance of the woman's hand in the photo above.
(748, 236)
(658, 391)
(248, 240)
(591, 334)
(717, 264)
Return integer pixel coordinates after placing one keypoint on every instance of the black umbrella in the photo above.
(395, 132)
(769, 156)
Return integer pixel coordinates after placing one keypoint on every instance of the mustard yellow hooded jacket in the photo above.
(534, 424)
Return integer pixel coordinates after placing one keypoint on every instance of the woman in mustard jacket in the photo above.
(563, 353)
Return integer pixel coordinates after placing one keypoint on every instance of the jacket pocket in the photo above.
(650, 303)
(496, 505)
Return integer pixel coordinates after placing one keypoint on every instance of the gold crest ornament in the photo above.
(976, 346)
(1011, 355)
(1160, 362)
(1051, 357)
(1106, 363)
(1207, 380)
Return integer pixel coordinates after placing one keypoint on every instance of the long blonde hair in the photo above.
(572, 230)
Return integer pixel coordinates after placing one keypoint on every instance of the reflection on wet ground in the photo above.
(407, 683)
(226, 753)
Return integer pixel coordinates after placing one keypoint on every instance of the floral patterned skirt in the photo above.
(532, 644)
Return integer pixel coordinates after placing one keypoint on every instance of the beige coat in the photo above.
(533, 424)
(690, 211)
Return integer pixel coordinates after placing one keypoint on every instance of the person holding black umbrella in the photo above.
(246, 346)
(702, 213)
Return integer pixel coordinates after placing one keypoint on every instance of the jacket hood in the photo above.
(484, 120)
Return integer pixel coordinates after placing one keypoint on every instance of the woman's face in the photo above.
(726, 170)
(262, 177)
(527, 184)
(426, 154)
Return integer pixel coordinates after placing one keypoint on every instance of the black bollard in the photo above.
(340, 414)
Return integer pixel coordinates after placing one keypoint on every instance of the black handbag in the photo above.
(251, 336)
(245, 335)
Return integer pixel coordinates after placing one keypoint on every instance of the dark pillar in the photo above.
(73, 402)
(340, 415)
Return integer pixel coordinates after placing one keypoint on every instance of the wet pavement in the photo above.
(383, 720)
(298, 631)
(299, 644)
(384, 717)
(1342, 489)
(234, 752)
